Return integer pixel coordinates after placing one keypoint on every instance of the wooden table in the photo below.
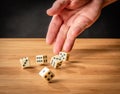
(93, 68)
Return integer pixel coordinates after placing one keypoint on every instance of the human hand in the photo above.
(70, 18)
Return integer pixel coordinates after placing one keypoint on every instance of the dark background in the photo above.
(28, 18)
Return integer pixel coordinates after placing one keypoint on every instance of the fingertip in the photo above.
(50, 12)
(66, 48)
(56, 48)
(68, 45)
(56, 52)
(57, 7)
(48, 42)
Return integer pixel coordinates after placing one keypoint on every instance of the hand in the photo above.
(70, 18)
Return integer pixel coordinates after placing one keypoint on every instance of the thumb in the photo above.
(58, 6)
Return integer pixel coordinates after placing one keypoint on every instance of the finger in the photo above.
(53, 29)
(78, 26)
(57, 7)
(68, 45)
(60, 39)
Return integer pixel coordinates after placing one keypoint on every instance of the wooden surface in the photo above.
(94, 68)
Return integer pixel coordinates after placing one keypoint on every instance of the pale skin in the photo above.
(71, 18)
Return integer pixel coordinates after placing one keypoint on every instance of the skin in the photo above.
(71, 18)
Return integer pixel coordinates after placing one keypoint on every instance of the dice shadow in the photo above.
(58, 86)
(31, 67)
(71, 66)
(55, 80)
(93, 50)
(43, 65)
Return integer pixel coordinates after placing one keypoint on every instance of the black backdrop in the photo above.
(27, 18)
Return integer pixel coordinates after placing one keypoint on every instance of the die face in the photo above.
(56, 61)
(41, 59)
(46, 74)
(45, 57)
(24, 62)
(57, 64)
(64, 56)
(52, 62)
(44, 71)
(57, 57)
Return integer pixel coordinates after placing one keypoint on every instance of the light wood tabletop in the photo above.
(93, 67)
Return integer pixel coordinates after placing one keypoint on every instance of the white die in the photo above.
(64, 56)
(56, 61)
(47, 74)
(41, 59)
(24, 62)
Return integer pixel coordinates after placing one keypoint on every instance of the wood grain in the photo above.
(94, 67)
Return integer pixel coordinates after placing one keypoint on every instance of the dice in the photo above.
(56, 61)
(64, 56)
(41, 59)
(47, 74)
(25, 62)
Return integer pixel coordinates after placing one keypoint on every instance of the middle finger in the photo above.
(60, 39)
